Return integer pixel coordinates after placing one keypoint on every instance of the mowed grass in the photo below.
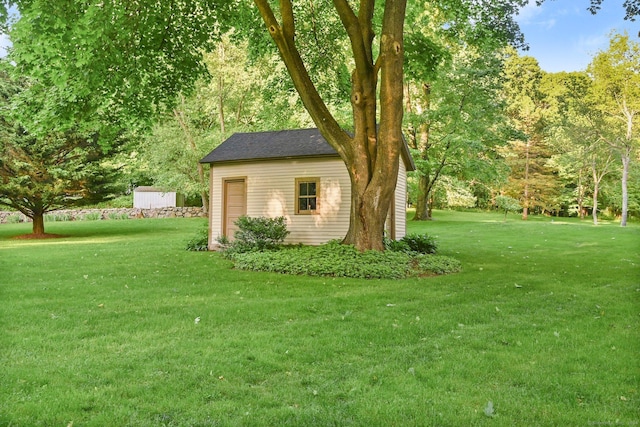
(118, 325)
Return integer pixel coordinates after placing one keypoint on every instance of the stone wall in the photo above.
(99, 214)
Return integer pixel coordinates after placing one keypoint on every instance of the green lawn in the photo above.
(118, 325)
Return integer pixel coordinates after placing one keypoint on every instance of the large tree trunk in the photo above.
(372, 153)
(38, 223)
(369, 210)
(384, 154)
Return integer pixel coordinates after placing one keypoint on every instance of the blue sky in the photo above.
(564, 36)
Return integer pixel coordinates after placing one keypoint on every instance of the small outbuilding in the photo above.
(154, 198)
(291, 173)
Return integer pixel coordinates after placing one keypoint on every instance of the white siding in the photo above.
(270, 187)
(153, 200)
(401, 202)
(271, 193)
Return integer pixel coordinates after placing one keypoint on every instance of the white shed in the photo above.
(290, 173)
(153, 198)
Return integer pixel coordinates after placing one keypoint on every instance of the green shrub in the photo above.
(420, 243)
(396, 245)
(508, 204)
(200, 242)
(257, 234)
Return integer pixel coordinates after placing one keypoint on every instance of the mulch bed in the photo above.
(32, 236)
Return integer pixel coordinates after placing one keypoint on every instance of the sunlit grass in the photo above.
(119, 325)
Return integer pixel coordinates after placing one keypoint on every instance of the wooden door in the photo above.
(235, 205)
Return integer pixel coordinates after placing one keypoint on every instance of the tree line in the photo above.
(175, 79)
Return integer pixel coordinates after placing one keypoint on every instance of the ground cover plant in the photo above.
(118, 325)
(337, 260)
(258, 246)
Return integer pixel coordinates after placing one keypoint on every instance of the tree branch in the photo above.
(309, 95)
(354, 27)
(288, 21)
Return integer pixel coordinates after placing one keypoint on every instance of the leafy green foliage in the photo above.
(257, 234)
(200, 242)
(118, 215)
(420, 243)
(44, 172)
(508, 204)
(532, 181)
(13, 219)
(413, 244)
(333, 259)
(455, 122)
(112, 58)
(396, 245)
(337, 260)
(257, 246)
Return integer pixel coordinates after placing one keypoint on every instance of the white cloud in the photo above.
(528, 12)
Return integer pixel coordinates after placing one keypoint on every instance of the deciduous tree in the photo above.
(581, 157)
(616, 89)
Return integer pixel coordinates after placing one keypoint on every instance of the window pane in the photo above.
(312, 188)
(304, 191)
(303, 204)
(312, 203)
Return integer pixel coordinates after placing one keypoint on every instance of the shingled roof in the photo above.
(283, 144)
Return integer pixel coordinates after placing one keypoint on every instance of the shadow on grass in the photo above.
(110, 230)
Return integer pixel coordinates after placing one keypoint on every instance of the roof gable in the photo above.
(283, 144)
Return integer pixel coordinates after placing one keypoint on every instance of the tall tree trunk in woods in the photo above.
(626, 160)
(221, 88)
(594, 209)
(425, 183)
(597, 175)
(580, 195)
(525, 195)
(372, 152)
